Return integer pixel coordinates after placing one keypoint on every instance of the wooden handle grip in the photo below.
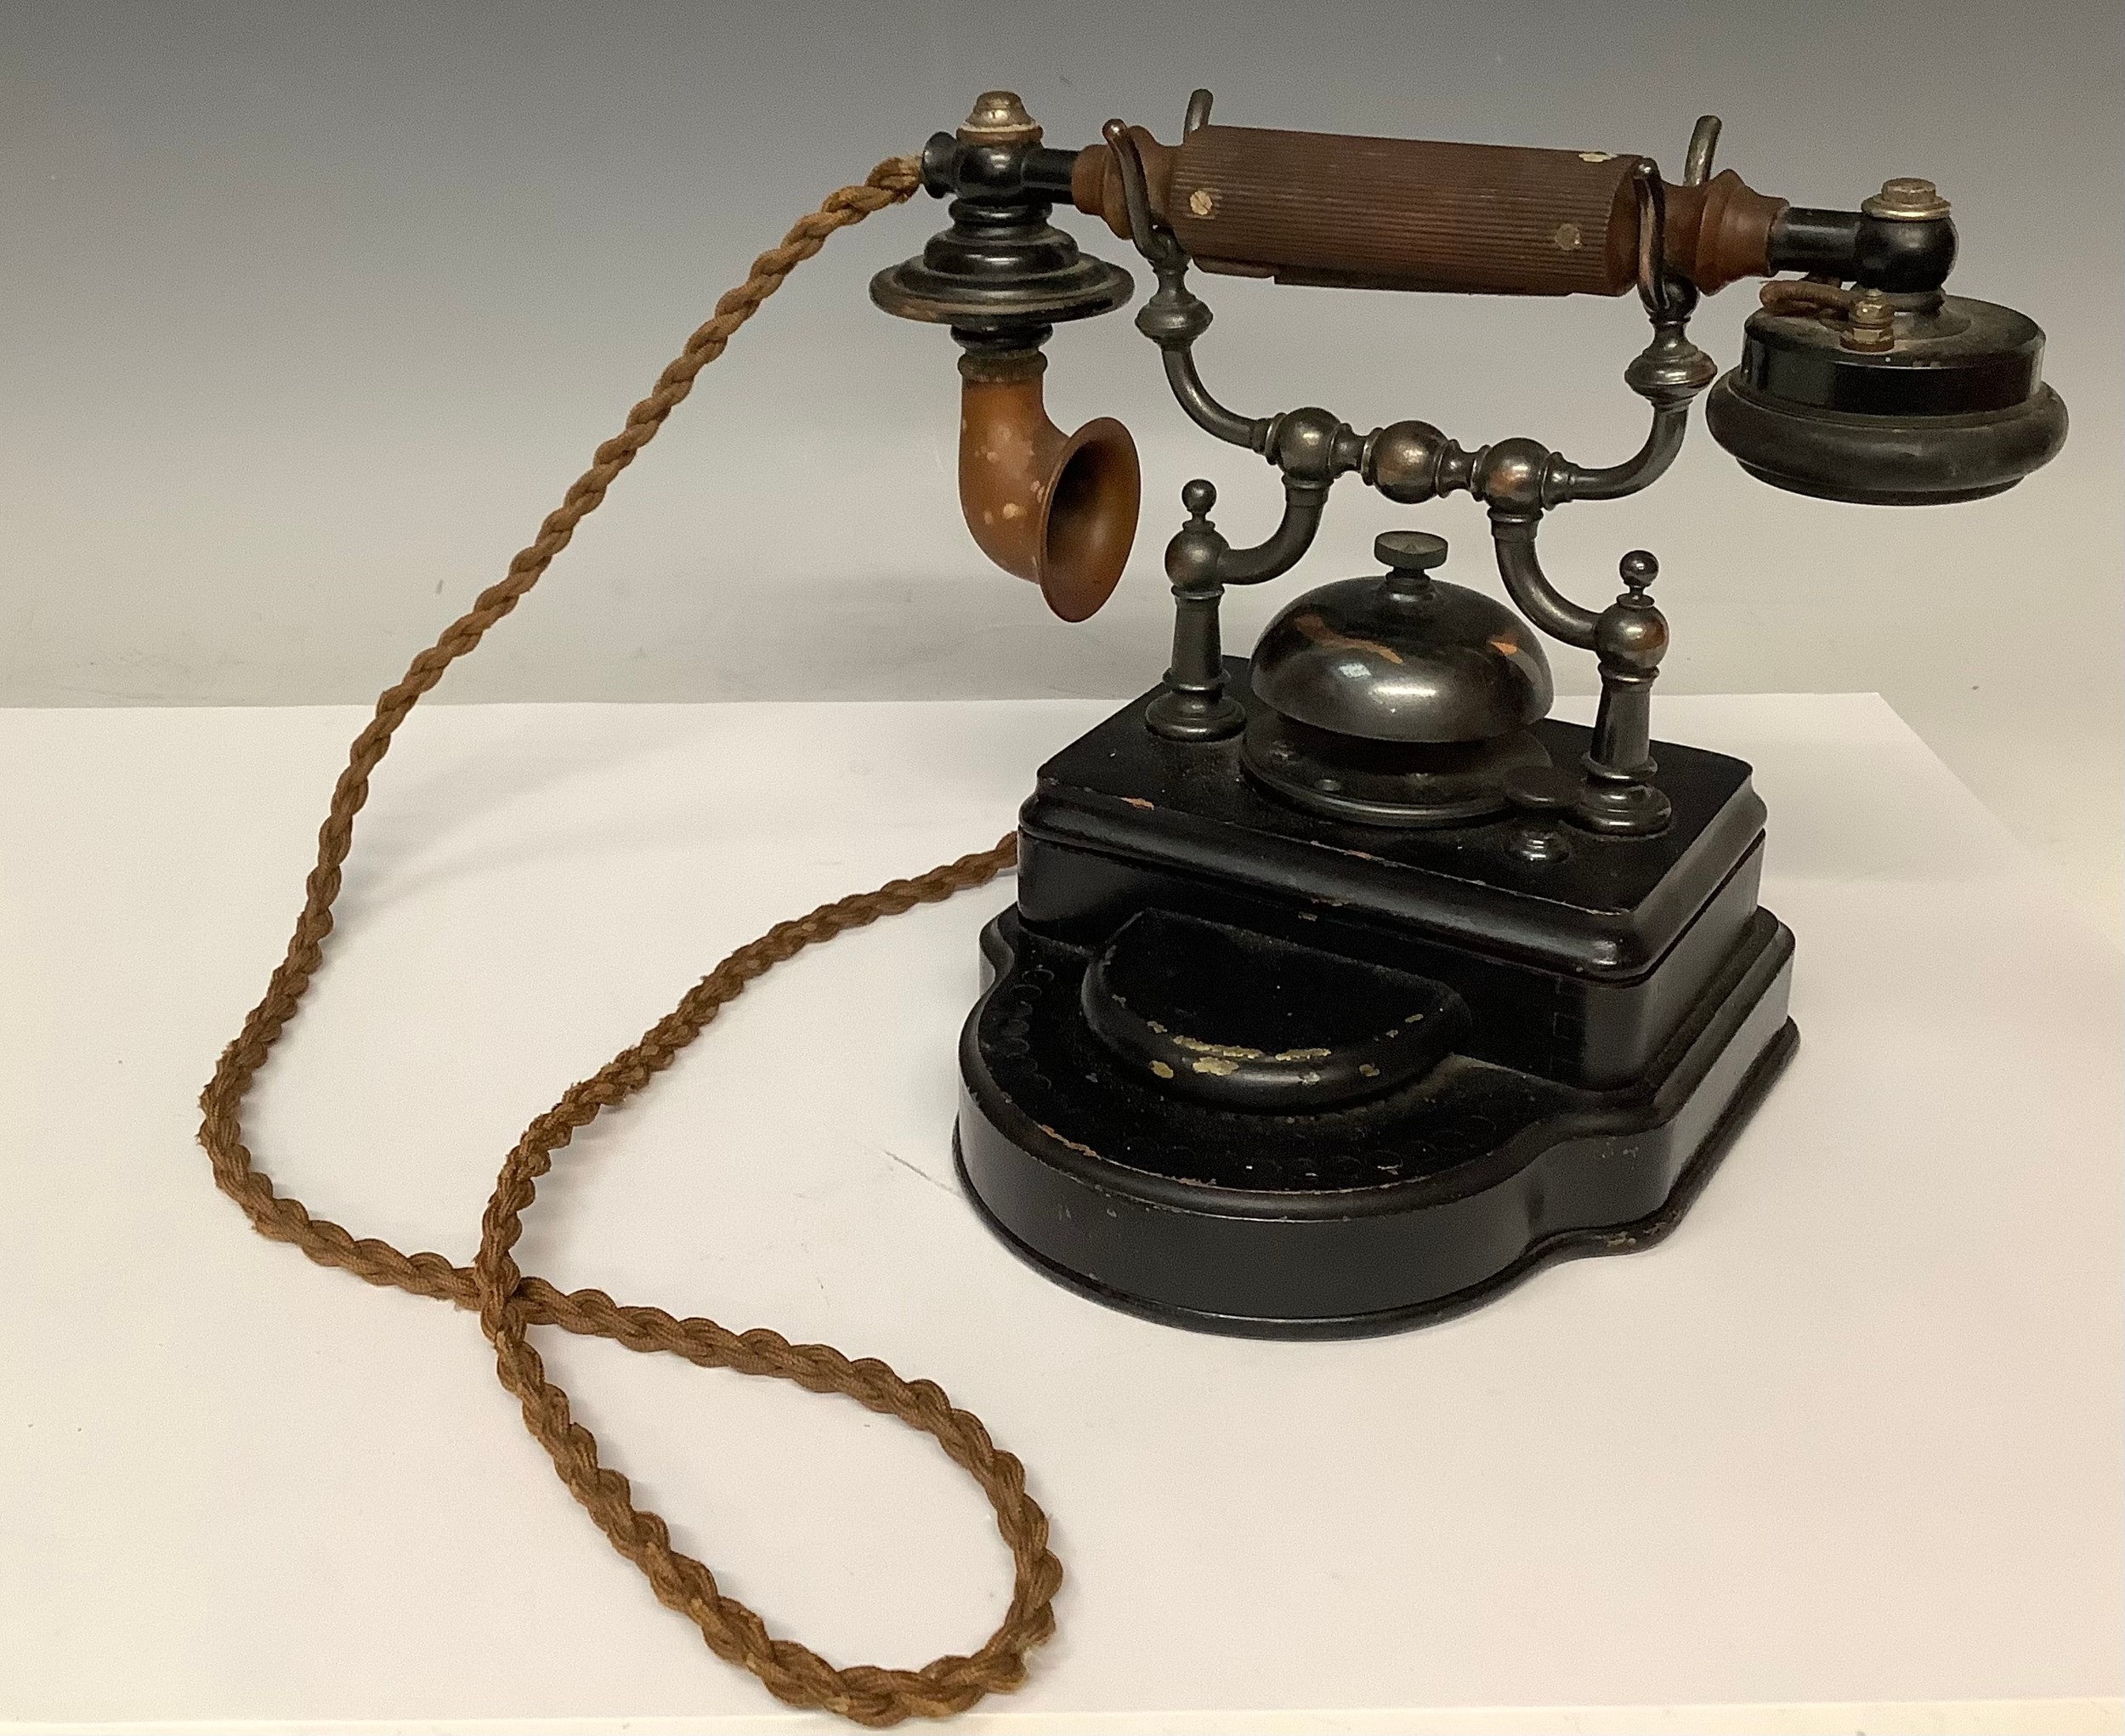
(1408, 214)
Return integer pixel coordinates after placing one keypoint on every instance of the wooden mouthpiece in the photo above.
(1059, 510)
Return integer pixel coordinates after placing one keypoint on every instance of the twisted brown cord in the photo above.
(510, 1302)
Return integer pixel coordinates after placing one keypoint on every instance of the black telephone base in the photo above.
(1540, 1175)
(1240, 1070)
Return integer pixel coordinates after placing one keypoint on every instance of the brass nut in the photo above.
(1870, 323)
(998, 118)
(1907, 199)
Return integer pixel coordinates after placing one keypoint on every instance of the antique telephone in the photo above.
(1343, 987)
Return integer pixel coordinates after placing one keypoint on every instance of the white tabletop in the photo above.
(1845, 1450)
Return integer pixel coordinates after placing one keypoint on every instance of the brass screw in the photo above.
(1202, 201)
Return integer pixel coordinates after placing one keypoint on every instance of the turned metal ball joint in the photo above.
(1403, 461)
(1511, 476)
(1312, 445)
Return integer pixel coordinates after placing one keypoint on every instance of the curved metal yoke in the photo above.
(1413, 461)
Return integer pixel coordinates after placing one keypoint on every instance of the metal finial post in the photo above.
(1194, 705)
(1631, 638)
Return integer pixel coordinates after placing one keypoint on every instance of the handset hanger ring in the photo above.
(1159, 246)
(1666, 299)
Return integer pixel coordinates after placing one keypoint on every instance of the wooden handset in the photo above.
(1414, 213)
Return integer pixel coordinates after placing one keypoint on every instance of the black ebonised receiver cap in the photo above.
(1889, 405)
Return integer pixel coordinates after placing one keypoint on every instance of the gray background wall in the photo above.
(311, 311)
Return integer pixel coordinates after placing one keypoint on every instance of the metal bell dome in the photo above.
(1404, 657)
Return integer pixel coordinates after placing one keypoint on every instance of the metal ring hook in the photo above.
(1655, 288)
(1136, 192)
(1704, 140)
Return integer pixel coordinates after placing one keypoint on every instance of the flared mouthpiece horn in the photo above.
(1059, 510)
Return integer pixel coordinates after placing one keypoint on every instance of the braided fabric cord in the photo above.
(510, 1302)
